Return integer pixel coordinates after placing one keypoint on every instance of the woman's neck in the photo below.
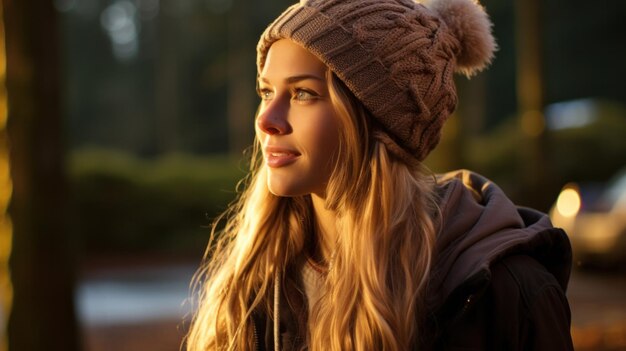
(325, 230)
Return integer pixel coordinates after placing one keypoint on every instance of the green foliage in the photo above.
(123, 203)
(593, 153)
(582, 154)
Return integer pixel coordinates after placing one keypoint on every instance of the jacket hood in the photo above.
(480, 226)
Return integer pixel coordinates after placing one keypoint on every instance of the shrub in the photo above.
(125, 204)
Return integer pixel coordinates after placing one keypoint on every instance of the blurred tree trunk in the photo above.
(6, 228)
(241, 79)
(167, 78)
(42, 314)
(471, 111)
(530, 99)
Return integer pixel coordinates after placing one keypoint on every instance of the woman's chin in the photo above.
(281, 190)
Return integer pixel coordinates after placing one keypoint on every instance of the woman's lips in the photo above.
(276, 157)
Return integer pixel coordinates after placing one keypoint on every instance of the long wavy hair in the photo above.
(373, 293)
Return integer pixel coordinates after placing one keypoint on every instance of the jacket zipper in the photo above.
(469, 300)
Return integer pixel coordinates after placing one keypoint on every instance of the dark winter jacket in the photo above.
(500, 273)
(499, 277)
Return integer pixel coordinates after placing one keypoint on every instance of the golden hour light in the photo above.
(6, 229)
(568, 203)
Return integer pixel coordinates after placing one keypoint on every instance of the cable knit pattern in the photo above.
(396, 56)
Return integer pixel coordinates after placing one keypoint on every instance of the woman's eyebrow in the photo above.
(296, 78)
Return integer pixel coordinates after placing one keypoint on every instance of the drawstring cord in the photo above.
(277, 311)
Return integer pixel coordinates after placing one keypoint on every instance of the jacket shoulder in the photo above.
(529, 308)
(522, 308)
(524, 276)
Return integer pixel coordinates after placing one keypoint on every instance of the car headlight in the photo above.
(568, 203)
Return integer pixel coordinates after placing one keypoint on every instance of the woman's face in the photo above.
(296, 124)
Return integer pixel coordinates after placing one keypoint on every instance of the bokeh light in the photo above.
(568, 204)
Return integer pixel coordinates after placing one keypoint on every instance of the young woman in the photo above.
(341, 239)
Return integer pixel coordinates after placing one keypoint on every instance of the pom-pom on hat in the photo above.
(396, 56)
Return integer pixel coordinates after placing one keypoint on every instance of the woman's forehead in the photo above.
(286, 58)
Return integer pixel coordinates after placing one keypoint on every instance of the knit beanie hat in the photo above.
(396, 56)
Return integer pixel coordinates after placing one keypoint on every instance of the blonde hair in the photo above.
(373, 292)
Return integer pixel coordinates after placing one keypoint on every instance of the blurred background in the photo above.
(123, 125)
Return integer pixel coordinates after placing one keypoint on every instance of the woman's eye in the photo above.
(304, 95)
(265, 94)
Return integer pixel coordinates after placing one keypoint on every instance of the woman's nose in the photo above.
(272, 119)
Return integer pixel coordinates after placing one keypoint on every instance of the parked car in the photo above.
(594, 217)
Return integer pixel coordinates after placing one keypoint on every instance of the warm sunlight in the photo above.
(5, 196)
